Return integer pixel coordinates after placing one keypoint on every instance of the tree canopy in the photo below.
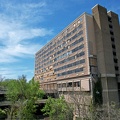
(23, 96)
(58, 109)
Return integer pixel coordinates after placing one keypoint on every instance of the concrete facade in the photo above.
(107, 34)
(84, 51)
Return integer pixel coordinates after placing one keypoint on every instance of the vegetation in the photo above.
(22, 96)
(2, 114)
(97, 92)
(58, 109)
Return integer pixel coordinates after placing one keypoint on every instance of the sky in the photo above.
(27, 25)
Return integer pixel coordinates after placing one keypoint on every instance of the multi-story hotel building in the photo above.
(87, 49)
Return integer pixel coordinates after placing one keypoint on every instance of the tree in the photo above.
(97, 92)
(85, 109)
(58, 109)
(23, 96)
(2, 114)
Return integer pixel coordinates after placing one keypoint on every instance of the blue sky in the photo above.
(27, 25)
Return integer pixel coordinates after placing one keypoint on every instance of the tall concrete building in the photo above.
(86, 51)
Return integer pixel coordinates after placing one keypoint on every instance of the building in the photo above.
(85, 51)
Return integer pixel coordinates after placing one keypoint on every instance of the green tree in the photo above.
(58, 109)
(2, 114)
(23, 96)
(97, 92)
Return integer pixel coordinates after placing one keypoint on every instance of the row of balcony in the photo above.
(66, 89)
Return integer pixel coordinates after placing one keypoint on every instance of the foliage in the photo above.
(86, 110)
(97, 92)
(23, 96)
(2, 113)
(107, 112)
(58, 109)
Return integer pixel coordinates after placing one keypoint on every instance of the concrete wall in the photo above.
(105, 55)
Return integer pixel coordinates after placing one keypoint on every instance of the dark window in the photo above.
(80, 26)
(68, 34)
(78, 84)
(116, 68)
(77, 48)
(119, 86)
(115, 60)
(114, 53)
(112, 39)
(77, 70)
(110, 26)
(71, 71)
(117, 75)
(69, 84)
(113, 46)
(111, 33)
(77, 41)
(109, 19)
(80, 33)
(82, 61)
(70, 65)
(71, 58)
(74, 30)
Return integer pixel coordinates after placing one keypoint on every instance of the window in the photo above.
(118, 86)
(77, 48)
(116, 68)
(77, 70)
(74, 30)
(77, 41)
(79, 27)
(115, 60)
(69, 84)
(113, 46)
(111, 33)
(64, 84)
(81, 19)
(114, 53)
(109, 19)
(112, 39)
(80, 33)
(59, 85)
(71, 58)
(78, 84)
(70, 65)
(81, 54)
(110, 26)
(71, 71)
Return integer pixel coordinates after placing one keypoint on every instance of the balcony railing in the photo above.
(5, 103)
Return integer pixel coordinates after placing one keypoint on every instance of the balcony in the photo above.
(5, 103)
(2, 90)
(77, 89)
(50, 90)
(73, 89)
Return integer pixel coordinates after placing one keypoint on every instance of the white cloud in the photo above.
(16, 28)
(34, 5)
(18, 50)
(31, 11)
(13, 73)
(6, 58)
(24, 34)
